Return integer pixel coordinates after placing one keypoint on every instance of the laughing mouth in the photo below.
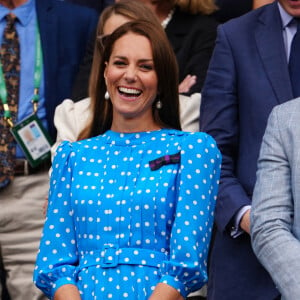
(129, 92)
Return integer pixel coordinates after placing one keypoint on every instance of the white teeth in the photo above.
(129, 91)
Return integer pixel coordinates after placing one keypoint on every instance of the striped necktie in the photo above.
(10, 61)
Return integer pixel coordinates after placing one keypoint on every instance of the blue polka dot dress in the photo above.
(127, 211)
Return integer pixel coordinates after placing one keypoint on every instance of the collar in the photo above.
(285, 17)
(167, 20)
(23, 12)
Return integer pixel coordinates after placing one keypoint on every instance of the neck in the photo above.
(133, 126)
(11, 4)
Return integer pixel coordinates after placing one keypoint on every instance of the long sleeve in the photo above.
(197, 186)
(219, 118)
(57, 258)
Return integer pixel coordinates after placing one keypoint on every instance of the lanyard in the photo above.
(37, 81)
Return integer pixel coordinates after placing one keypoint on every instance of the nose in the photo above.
(130, 74)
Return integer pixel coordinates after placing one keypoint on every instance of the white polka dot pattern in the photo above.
(115, 228)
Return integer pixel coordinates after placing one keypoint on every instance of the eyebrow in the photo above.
(140, 60)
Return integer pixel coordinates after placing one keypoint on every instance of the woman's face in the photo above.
(113, 22)
(131, 80)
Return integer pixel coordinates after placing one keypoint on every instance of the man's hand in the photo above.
(245, 222)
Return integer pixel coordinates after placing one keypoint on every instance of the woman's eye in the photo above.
(119, 63)
(146, 67)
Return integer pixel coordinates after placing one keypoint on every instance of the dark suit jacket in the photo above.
(98, 5)
(65, 29)
(193, 39)
(229, 9)
(247, 77)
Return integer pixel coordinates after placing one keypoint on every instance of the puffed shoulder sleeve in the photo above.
(197, 187)
(57, 257)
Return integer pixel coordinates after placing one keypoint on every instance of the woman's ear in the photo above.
(105, 70)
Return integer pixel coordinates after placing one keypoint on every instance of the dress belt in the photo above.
(110, 256)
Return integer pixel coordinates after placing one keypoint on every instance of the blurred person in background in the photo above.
(275, 221)
(42, 45)
(254, 67)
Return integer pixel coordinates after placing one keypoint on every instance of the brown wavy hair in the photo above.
(166, 68)
(205, 7)
(133, 10)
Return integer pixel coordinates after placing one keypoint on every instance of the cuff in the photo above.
(236, 230)
(60, 282)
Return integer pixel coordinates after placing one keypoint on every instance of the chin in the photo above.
(293, 8)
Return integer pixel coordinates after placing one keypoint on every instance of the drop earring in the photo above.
(106, 95)
(158, 104)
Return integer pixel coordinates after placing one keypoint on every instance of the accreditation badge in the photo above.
(34, 140)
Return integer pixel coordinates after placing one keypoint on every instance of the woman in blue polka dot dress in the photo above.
(130, 211)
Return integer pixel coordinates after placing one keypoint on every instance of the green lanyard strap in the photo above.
(37, 71)
(37, 81)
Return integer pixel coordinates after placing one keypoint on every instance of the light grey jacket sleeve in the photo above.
(275, 214)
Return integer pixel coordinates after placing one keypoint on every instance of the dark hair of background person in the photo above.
(167, 74)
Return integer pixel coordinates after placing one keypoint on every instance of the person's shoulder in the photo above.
(63, 150)
(192, 21)
(68, 5)
(68, 106)
(68, 9)
(89, 142)
(201, 138)
(200, 144)
(204, 22)
(289, 107)
(193, 138)
(72, 116)
(249, 19)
